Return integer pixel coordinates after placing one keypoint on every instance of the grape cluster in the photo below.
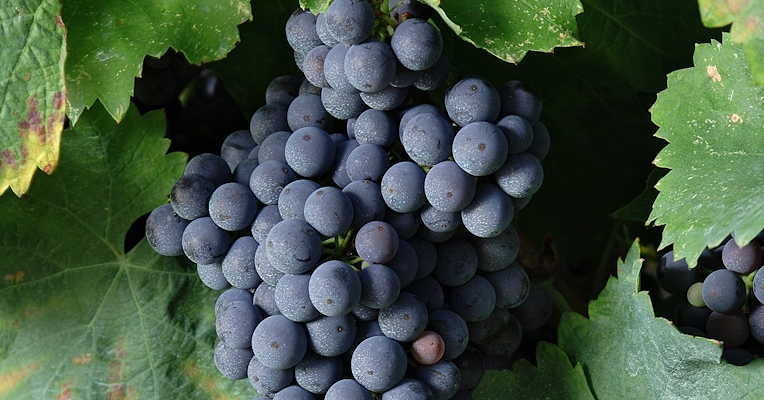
(376, 255)
(721, 297)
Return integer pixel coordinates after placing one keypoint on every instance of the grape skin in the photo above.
(164, 231)
(378, 363)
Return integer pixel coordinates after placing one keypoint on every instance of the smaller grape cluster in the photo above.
(721, 297)
(374, 257)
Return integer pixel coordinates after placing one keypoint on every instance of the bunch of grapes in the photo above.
(722, 296)
(365, 242)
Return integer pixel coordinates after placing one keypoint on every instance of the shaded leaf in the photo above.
(81, 319)
(712, 115)
(628, 353)
(554, 378)
(639, 209)
(108, 41)
(509, 29)
(642, 41)
(747, 19)
(32, 95)
(262, 55)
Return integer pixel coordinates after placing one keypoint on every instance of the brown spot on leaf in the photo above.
(83, 359)
(48, 169)
(14, 278)
(736, 119)
(7, 158)
(713, 73)
(66, 392)
(59, 99)
(117, 389)
(11, 379)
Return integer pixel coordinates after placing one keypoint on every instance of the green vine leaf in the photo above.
(554, 378)
(510, 29)
(108, 41)
(628, 353)
(79, 317)
(32, 95)
(747, 19)
(315, 6)
(712, 115)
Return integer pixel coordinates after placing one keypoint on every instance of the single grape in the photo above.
(511, 285)
(313, 66)
(308, 88)
(417, 44)
(472, 99)
(675, 276)
(489, 213)
(732, 329)
(204, 242)
(442, 378)
(232, 206)
(294, 393)
(350, 21)
(386, 99)
(329, 211)
(378, 363)
(480, 148)
(212, 276)
(236, 147)
(293, 246)
(310, 151)
(268, 381)
(498, 252)
(239, 264)
(323, 31)
(517, 98)
(405, 224)
(268, 179)
(190, 196)
(521, 175)
(403, 187)
(401, 10)
(739, 357)
(429, 291)
(448, 188)
(292, 199)
(347, 389)
(282, 89)
(334, 288)
(541, 141)
(367, 162)
(428, 348)
(230, 296)
(439, 221)
(331, 336)
(164, 231)
(490, 329)
(317, 374)
(292, 298)
(695, 294)
(471, 367)
(232, 362)
(268, 119)
(756, 322)
(301, 31)
(685, 314)
(368, 204)
(375, 127)
(742, 260)
(758, 285)
(279, 343)
(473, 300)
(265, 299)
(408, 389)
(427, 138)
(723, 291)
(405, 319)
(342, 105)
(456, 262)
(334, 70)
(307, 110)
(236, 322)
(376, 242)
(339, 168)
(380, 286)
(264, 221)
(518, 131)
